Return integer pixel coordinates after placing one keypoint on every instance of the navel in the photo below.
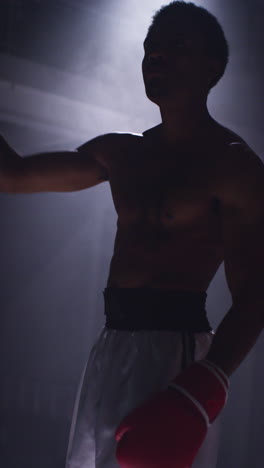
(215, 206)
(169, 215)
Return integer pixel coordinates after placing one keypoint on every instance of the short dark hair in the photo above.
(206, 23)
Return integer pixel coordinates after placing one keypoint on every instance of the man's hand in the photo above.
(168, 430)
(6, 152)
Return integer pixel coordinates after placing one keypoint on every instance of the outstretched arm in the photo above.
(55, 171)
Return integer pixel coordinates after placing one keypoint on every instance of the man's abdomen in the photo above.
(175, 262)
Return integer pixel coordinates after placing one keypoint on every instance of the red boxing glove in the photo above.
(168, 430)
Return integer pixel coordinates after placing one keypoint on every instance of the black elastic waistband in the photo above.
(155, 309)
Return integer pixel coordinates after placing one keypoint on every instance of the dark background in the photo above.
(70, 70)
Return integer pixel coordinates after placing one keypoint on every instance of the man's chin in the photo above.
(156, 96)
(155, 88)
(155, 93)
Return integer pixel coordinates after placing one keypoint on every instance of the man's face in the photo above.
(175, 64)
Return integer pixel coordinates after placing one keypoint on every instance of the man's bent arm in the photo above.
(242, 210)
(237, 334)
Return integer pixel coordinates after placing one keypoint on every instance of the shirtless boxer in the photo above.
(189, 194)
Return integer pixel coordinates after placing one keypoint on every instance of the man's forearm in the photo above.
(236, 336)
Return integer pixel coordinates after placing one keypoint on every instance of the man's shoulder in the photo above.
(241, 170)
(121, 136)
(234, 151)
(109, 139)
(225, 136)
(238, 151)
(103, 146)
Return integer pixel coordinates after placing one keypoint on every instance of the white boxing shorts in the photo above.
(149, 337)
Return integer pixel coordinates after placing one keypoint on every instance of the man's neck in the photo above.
(184, 123)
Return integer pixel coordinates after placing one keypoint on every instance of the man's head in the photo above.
(186, 48)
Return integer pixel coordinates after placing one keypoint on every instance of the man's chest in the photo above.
(168, 189)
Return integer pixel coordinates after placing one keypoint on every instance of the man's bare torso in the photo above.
(169, 213)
